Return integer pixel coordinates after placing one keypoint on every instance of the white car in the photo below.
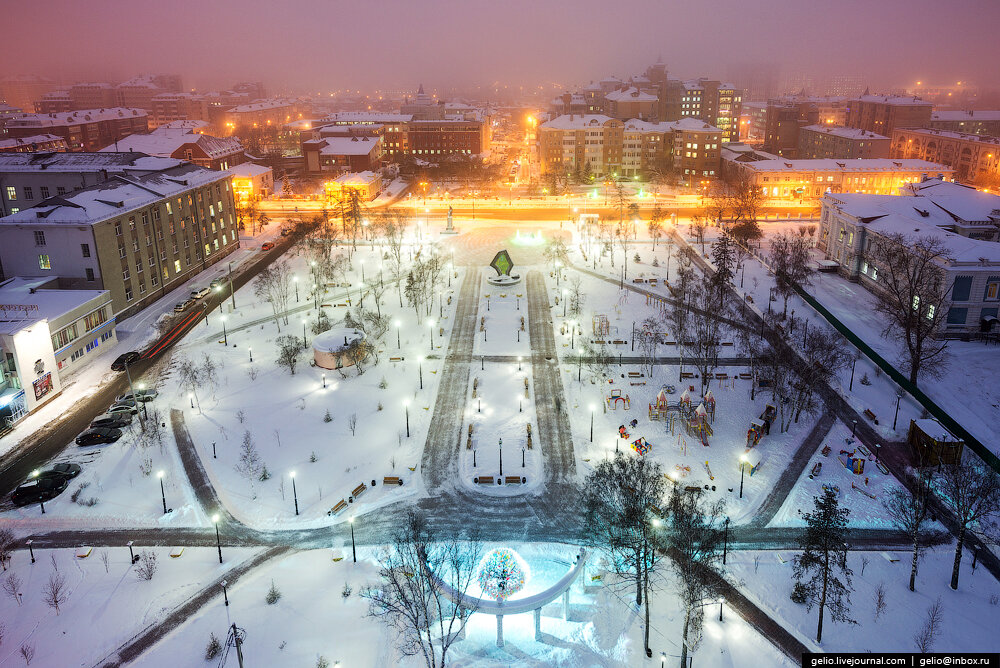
(198, 294)
(141, 395)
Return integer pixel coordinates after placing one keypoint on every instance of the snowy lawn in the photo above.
(969, 614)
(102, 607)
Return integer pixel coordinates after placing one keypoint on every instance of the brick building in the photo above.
(85, 130)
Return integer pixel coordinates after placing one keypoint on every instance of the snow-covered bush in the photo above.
(273, 595)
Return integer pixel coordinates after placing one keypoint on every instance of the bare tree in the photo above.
(650, 336)
(911, 296)
(12, 586)
(698, 225)
(824, 554)
(576, 296)
(823, 355)
(617, 497)
(189, 374)
(146, 567)
(274, 286)
(655, 225)
(54, 591)
(790, 261)
(972, 492)
(704, 332)
(27, 653)
(6, 547)
(249, 465)
(352, 423)
(908, 512)
(106, 560)
(880, 601)
(417, 573)
(289, 348)
(928, 634)
(694, 543)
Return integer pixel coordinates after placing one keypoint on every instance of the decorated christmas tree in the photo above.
(501, 574)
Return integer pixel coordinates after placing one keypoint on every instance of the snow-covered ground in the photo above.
(102, 607)
(313, 619)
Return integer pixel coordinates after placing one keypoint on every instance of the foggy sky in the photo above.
(313, 45)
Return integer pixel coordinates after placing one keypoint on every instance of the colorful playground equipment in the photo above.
(697, 425)
(641, 446)
(601, 325)
(709, 404)
(761, 426)
(851, 461)
(615, 397)
(662, 409)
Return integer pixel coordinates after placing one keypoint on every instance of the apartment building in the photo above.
(832, 141)
(985, 122)
(136, 236)
(883, 114)
(33, 144)
(975, 158)
(85, 130)
(202, 149)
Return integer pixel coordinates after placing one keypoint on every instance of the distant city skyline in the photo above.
(313, 46)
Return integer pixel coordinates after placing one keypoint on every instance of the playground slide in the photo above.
(704, 436)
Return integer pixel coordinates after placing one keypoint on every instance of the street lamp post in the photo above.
(725, 542)
(721, 601)
(406, 407)
(398, 325)
(31, 550)
(324, 381)
(420, 369)
(225, 593)
(163, 494)
(191, 398)
(564, 293)
(295, 494)
(500, 448)
(304, 343)
(430, 325)
(218, 540)
(592, 409)
(232, 293)
(518, 362)
(295, 279)
(225, 337)
(145, 415)
(354, 549)
(743, 461)
(250, 352)
(899, 395)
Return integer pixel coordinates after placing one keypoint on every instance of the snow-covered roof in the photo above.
(302, 124)
(349, 145)
(117, 195)
(337, 340)
(630, 95)
(576, 121)
(693, 125)
(949, 134)
(896, 100)
(846, 133)
(165, 142)
(248, 170)
(260, 106)
(356, 178)
(84, 162)
(913, 217)
(936, 430)
(51, 304)
(368, 117)
(963, 202)
(58, 119)
(985, 115)
(28, 141)
(190, 124)
(847, 165)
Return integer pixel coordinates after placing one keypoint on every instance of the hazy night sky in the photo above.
(325, 44)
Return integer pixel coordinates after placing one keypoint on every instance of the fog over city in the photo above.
(329, 45)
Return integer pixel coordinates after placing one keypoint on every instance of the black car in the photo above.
(65, 469)
(99, 436)
(41, 488)
(124, 360)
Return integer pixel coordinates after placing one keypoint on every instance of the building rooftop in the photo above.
(48, 303)
(84, 162)
(74, 117)
(28, 141)
(342, 117)
(846, 133)
(261, 105)
(896, 100)
(985, 115)
(576, 121)
(686, 124)
(190, 124)
(117, 195)
(848, 165)
(248, 170)
(349, 145)
(914, 217)
(356, 178)
(963, 203)
(966, 136)
(630, 95)
(164, 142)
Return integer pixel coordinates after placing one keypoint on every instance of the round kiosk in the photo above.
(330, 348)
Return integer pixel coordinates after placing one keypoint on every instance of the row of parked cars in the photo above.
(198, 294)
(107, 428)
(45, 485)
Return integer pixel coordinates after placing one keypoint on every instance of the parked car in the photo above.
(285, 232)
(217, 283)
(267, 246)
(41, 488)
(99, 436)
(112, 420)
(65, 469)
(124, 360)
(183, 306)
(129, 408)
(141, 395)
(198, 294)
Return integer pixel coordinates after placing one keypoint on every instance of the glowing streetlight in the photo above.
(398, 324)
(163, 494)
(295, 494)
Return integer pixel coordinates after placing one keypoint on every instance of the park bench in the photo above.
(392, 480)
(655, 510)
(514, 480)
(692, 488)
(326, 305)
(816, 470)
(635, 374)
(633, 383)
(343, 303)
(359, 490)
(470, 429)
(871, 416)
(620, 343)
(638, 280)
(722, 376)
(652, 281)
(598, 341)
(746, 376)
(688, 374)
(727, 343)
(395, 359)
(339, 508)
(483, 480)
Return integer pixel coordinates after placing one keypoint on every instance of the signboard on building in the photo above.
(42, 386)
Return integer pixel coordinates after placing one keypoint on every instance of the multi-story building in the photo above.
(882, 114)
(263, 113)
(33, 144)
(21, 90)
(446, 138)
(630, 103)
(783, 121)
(202, 149)
(85, 130)
(251, 182)
(137, 236)
(971, 122)
(591, 142)
(170, 107)
(55, 102)
(833, 141)
(138, 93)
(367, 185)
(794, 180)
(975, 158)
(403, 135)
(343, 154)
(755, 114)
(7, 112)
(422, 106)
(849, 223)
(93, 96)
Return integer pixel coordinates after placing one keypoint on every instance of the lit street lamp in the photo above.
(295, 494)
(191, 398)
(225, 594)
(304, 344)
(163, 494)
(295, 279)
(518, 362)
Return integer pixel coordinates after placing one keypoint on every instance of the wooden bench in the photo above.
(688, 374)
(638, 280)
(513, 480)
(598, 341)
(529, 429)
(392, 480)
(655, 510)
(722, 376)
(745, 376)
(620, 343)
(470, 429)
(359, 490)
(727, 343)
(326, 305)
(395, 359)
(871, 416)
(692, 488)
(339, 508)
(816, 470)
(635, 374)
(483, 480)
(633, 383)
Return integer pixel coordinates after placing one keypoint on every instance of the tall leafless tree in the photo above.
(54, 591)
(972, 492)
(790, 261)
(274, 286)
(907, 510)
(911, 295)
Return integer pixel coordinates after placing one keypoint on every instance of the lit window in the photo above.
(43, 262)
(11, 193)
